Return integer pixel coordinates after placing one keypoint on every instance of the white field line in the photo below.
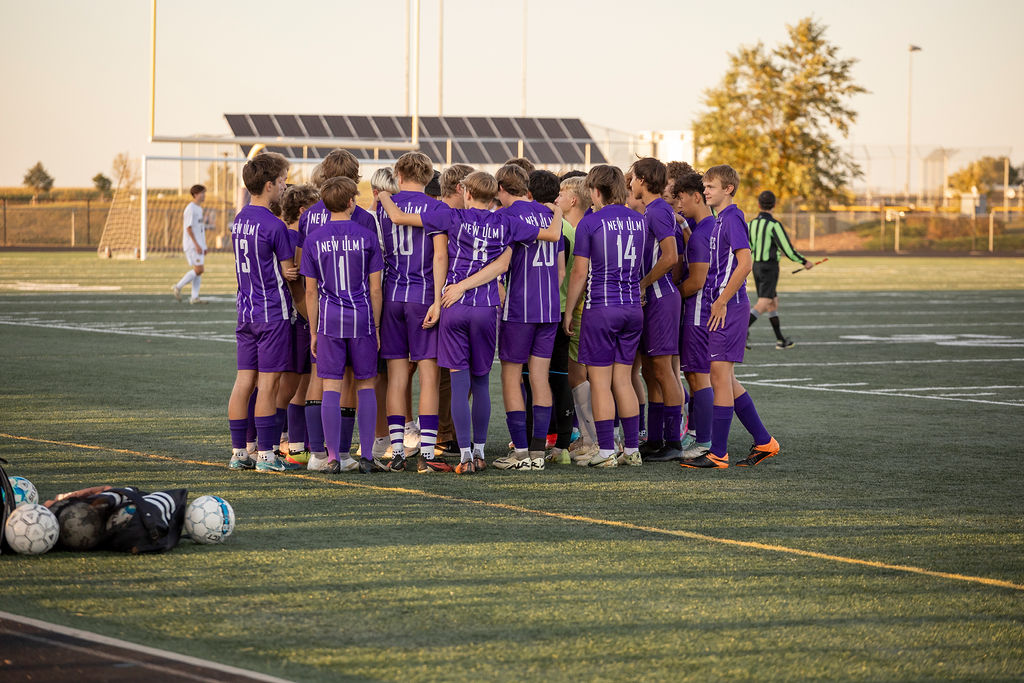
(943, 325)
(987, 386)
(129, 333)
(132, 647)
(1015, 404)
(835, 364)
(981, 393)
(842, 384)
(787, 379)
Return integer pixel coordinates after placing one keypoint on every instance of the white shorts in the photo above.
(193, 257)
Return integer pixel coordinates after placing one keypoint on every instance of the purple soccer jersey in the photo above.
(697, 307)
(317, 215)
(613, 239)
(475, 238)
(341, 256)
(661, 222)
(408, 251)
(532, 282)
(728, 234)
(260, 241)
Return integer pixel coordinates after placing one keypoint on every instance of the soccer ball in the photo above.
(80, 526)
(24, 491)
(31, 529)
(209, 519)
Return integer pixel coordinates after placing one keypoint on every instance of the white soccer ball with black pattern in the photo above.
(24, 491)
(31, 529)
(209, 519)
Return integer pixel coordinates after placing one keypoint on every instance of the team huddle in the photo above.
(613, 301)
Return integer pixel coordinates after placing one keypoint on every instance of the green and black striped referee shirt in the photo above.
(767, 237)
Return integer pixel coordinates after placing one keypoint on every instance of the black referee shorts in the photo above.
(766, 277)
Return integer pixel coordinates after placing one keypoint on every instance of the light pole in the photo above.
(910, 72)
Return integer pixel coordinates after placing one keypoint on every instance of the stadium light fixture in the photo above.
(911, 49)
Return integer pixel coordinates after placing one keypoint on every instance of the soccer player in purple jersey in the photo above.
(267, 279)
(477, 238)
(688, 191)
(660, 339)
(415, 266)
(295, 201)
(342, 264)
(529, 320)
(607, 259)
(729, 265)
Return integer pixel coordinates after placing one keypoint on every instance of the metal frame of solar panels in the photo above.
(474, 140)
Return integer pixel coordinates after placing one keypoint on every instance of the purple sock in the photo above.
(541, 421)
(631, 432)
(720, 424)
(702, 407)
(296, 423)
(481, 407)
(575, 420)
(516, 421)
(314, 427)
(655, 421)
(238, 430)
(460, 406)
(282, 422)
(673, 423)
(396, 430)
(266, 432)
(348, 425)
(749, 418)
(605, 434)
(330, 415)
(366, 414)
(643, 416)
(250, 434)
(428, 433)
(690, 411)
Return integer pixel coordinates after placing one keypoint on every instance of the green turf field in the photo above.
(885, 542)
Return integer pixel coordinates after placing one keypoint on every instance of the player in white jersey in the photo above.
(193, 242)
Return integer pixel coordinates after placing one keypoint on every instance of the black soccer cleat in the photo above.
(668, 453)
(707, 461)
(398, 464)
(650, 448)
(784, 343)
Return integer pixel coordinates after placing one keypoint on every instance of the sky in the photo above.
(76, 75)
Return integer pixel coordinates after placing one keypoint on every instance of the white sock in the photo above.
(195, 286)
(239, 452)
(250, 447)
(478, 450)
(268, 456)
(522, 453)
(584, 410)
(467, 454)
(410, 425)
(187, 278)
(605, 453)
(296, 447)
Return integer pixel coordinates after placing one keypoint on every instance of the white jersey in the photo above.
(194, 217)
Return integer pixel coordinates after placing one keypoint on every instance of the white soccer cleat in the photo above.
(412, 436)
(600, 460)
(176, 292)
(316, 461)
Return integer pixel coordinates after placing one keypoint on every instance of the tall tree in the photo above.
(126, 172)
(38, 179)
(102, 184)
(775, 115)
(985, 174)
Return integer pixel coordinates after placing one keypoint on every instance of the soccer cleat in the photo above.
(398, 464)
(427, 465)
(536, 460)
(242, 462)
(651, 447)
(784, 343)
(275, 465)
(696, 450)
(759, 453)
(412, 436)
(348, 463)
(512, 462)
(332, 467)
(316, 462)
(579, 443)
(465, 467)
(600, 460)
(667, 454)
(707, 461)
(370, 465)
(198, 302)
(746, 345)
(582, 456)
(290, 466)
(689, 438)
(631, 459)
(445, 448)
(479, 464)
(176, 292)
(298, 458)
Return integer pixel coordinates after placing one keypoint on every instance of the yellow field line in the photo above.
(569, 518)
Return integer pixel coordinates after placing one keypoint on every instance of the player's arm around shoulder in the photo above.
(396, 215)
(376, 303)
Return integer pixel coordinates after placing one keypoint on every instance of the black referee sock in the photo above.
(773, 318)
(754, 315)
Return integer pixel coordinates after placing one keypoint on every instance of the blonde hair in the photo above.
(577, 185)
(726, 174)
(384, 179)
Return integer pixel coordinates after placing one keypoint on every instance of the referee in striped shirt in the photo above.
(767, 238)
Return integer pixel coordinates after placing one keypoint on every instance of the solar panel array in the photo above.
(475, 140)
